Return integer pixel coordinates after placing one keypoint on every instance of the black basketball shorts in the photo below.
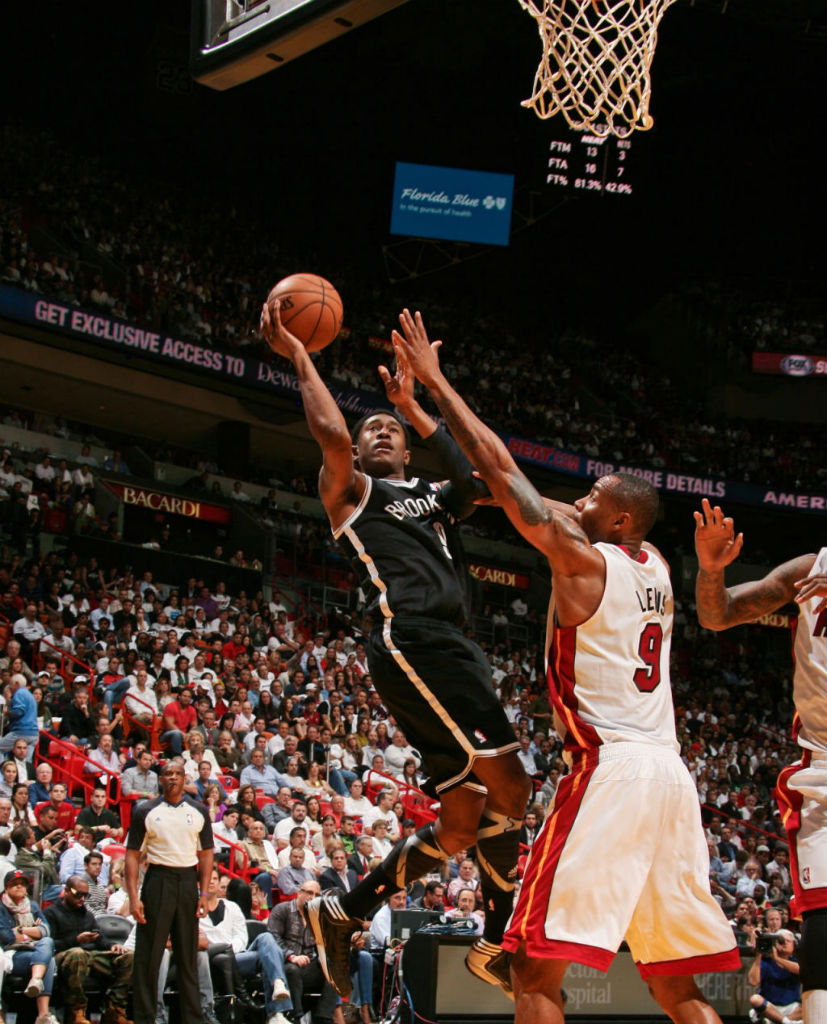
(437, 685)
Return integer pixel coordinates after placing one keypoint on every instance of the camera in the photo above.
(764, 941)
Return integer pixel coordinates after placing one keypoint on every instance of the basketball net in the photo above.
(597, 55)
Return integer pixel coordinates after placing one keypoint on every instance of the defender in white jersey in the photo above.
(622, 852)
(802, 787)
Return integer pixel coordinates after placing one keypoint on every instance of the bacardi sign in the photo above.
(157, 501)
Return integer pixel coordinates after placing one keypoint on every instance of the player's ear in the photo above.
(355, 451)
(407, 457)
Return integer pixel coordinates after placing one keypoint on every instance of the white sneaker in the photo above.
(278, 1018)
(280, 990)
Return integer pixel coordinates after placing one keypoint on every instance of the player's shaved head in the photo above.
(636, 496)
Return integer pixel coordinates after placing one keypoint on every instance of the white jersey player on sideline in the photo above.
(802, 787)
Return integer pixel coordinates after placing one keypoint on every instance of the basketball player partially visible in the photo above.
(402, 538)
(622, 852)
(802, 787)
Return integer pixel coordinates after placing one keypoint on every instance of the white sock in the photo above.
(814, 1004)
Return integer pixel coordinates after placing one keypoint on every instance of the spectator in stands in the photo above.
(432, 897)
(29, 631)
(263, 776)
(298, 814)
(778, 998)
(64, 809)
(22, 712)
(234, 957)
(98, 892)
(104, 760)
(34, 853)
(72, 862)
(465, 910)
(398, 752)
(39, 789)
(228, 756)
(115, 463)
(80, 952)
(6, 826)
(261, 854)
(21, 921)
(21, 812)
(466, 879)
(384, 810)
(339, 875)
(380, 925)
(295, 937)
(103, 822)
(292, 877)
(277, 811)
(76, 725)
(179, 719)
(8, 778)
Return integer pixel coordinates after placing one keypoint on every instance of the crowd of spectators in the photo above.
(242, 690)
(159, 244)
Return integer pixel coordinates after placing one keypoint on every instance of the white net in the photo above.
(597, 57)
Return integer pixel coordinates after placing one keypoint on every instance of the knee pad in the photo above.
(811, 960)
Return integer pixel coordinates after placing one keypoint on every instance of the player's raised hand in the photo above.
(420, 352)
(276, 334)
(716, 543)
(400, 387)
(812, 586)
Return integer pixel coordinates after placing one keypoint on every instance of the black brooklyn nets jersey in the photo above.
(405, 550)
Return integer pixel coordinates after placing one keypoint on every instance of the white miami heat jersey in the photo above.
(810, 677)
(609, 677)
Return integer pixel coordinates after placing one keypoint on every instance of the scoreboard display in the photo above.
(590, 163)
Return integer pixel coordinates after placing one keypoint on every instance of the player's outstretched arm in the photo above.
(720, 607)
(339, 481)
(464, 487)
(557, 536)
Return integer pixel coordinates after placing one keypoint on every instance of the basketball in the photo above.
(310, 308)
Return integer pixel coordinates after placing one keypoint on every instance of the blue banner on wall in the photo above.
(449, 203)
(273, 376)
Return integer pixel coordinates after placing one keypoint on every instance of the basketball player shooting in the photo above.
(600, 870)
(802, 787)
(402, 538)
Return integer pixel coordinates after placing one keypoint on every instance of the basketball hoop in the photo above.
(597, 55)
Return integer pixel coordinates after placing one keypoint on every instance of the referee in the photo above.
(176, 834)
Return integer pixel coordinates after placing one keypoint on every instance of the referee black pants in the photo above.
(170, 899)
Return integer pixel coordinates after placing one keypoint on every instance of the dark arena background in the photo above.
(655, 305)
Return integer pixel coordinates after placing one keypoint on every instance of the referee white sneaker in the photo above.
(280, 990)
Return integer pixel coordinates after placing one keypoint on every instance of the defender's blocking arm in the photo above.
(720, 607)
(555, 534)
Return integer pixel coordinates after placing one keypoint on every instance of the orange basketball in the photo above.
(310, 308)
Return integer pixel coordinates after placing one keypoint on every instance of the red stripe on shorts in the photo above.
(789, 804)
(561, 684)
(729, 960)
(529, 918)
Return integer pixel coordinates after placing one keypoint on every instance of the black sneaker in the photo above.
(490, 963)
(332, 929)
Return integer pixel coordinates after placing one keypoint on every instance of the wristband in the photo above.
(203, 894)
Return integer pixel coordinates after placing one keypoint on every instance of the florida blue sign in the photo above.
(453, 204)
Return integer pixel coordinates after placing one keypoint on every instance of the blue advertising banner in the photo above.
(449, 203)
(273, 376)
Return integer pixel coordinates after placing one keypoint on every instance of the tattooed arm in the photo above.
(545, 526)
(719, 606)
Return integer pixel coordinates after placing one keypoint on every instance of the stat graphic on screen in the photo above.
(453, 204)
